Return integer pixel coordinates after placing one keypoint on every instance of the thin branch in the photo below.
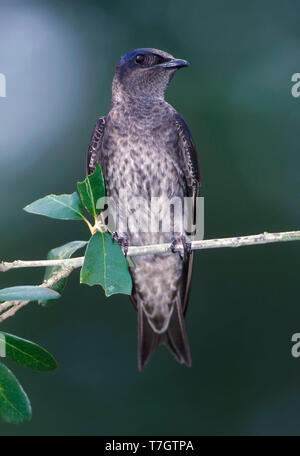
(9, 308)
(240, 241)
(74, 262)
(14, 306)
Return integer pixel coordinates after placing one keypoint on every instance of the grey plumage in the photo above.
(145, 147)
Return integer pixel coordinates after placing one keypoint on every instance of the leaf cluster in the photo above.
(104, 265)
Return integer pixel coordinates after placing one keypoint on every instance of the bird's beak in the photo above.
(174, 63)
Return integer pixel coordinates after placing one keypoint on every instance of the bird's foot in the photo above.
(187, 247)
(122, 241)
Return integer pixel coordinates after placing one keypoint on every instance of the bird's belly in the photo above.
(147, 173)
(156, 284)
(143, 184)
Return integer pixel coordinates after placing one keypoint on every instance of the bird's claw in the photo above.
(122, 241)
(187, 247)
(173, 245)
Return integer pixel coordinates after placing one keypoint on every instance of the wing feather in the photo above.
(94, 150)
(193, 181)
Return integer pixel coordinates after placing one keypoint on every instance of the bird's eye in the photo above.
(140, 59)
(159, 59)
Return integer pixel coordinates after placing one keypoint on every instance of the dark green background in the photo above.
(59, 58)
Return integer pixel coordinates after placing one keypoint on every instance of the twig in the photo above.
(240, 241)
(9, 308)
(74, 262)
(14, 306)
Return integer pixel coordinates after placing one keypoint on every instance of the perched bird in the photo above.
(145, 147)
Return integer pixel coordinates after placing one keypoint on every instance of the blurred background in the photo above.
(59, 58)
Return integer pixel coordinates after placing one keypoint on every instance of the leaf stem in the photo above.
(91, 227)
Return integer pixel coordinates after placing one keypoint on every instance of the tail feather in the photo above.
(175, 338)
(148, 340)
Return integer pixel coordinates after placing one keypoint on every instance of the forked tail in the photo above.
(175, 337)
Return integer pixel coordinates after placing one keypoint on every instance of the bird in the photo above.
(145, 148)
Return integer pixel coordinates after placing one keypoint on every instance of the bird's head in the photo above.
(145, 73)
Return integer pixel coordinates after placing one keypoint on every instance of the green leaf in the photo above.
(91, 190)
(60, 253)
(27, 293)
(64, 207)
(14, 403)
(106, 265)
(28, 353)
